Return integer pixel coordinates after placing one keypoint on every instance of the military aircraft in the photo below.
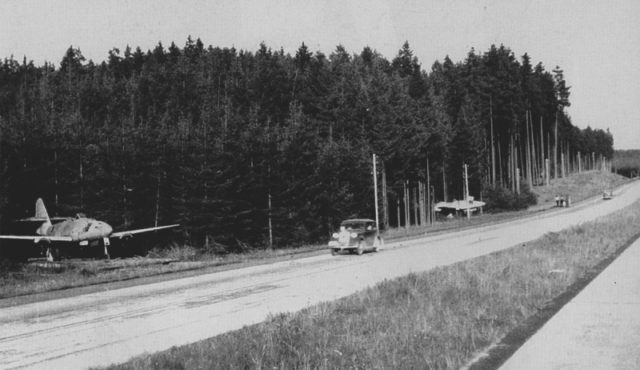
(67, 231)
(459, 206)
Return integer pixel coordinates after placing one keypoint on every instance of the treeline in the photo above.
(627, 162)
(246, 149)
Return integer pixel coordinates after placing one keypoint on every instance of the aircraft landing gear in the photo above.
(106, 243)
(52, 253)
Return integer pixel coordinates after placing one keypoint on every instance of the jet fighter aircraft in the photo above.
(68, 231)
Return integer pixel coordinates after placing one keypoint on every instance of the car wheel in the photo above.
(360, 249)
(377, 242)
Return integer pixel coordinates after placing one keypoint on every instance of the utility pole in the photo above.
(375, 190)
(493, 151)
(385, 199)
(428, 194)
(555, 150)
(542, 161)
(466, 190)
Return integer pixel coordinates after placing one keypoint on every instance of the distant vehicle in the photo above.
(356, 235)
(71, 232)
(607, 194)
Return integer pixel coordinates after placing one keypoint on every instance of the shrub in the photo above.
(503, 199)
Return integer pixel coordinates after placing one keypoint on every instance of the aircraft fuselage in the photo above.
(81, 229)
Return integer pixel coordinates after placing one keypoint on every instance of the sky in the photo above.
(595, 42)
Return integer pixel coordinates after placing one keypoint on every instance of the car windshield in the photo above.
(358, 225)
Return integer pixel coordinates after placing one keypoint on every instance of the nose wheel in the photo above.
(52, 254)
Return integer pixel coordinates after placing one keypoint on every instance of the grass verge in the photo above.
(39, 277)
(579, 186)
(438, 319)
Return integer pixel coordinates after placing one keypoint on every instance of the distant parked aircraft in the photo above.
(459, 206)
(73, 231)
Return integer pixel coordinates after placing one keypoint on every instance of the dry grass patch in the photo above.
(439, 319)
(579, 186)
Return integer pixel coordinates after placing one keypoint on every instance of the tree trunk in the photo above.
(579, 162)
(157, 215)
(512, 167)
(500, 177)
(547, 171)
(466, 191)
(416, 221)
(421, 200)
(534, 155)
(444, 183)
(55, 178)
(270, 211)
(81, 185)
(528, 157)
(407, 214)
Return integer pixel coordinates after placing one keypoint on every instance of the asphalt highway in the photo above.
(108, 327)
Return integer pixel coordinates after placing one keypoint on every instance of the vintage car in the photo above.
(607, 194)
(356, 235)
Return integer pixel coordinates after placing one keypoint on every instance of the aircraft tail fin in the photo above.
(41, 212)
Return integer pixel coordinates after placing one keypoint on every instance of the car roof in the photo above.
(357, 220)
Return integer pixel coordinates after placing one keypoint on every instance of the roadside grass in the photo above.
(579, 186)
(39, 276)
(440, 319)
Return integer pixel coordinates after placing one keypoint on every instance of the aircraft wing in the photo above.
(37, 238)
(122, 234)
(43, 219)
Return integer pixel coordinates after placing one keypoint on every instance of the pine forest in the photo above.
(256, 149)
